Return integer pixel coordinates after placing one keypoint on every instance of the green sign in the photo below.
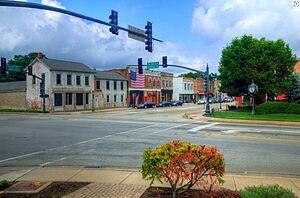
(151, 65)
(13, 68)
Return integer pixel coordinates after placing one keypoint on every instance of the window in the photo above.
(107, 98)
(86, 98)
(33, 80)
(58, 99)
(153, 85)
(115, 98)
(69, 98)
(149, 83)
(115, 85)
(107, 85)
(58, 79)
(184, 86)
(87, 81)
(78, 80)
(69, 79)
(122, 98)
(122, 85)
(79, 99)
(98, 84)
(163, 83)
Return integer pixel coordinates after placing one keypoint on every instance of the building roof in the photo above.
(109, 76)
(13, 86)
(61, 65)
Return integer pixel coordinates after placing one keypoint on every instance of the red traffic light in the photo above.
(29, 70)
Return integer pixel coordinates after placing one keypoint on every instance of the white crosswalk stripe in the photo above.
(198, 128)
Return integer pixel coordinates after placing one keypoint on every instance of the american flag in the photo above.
(137, 80)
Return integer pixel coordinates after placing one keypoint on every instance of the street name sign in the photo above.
(151, 65)
(136, 36)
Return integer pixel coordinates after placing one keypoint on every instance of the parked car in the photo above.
(227, 99)
(164, 104)
(146, 105)
(201, 101)
(177, 103)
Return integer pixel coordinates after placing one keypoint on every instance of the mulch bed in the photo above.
(54, 190)
(160, 192)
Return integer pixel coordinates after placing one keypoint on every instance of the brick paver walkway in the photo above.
(108, 191)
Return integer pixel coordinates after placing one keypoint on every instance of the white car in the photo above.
(201, 101)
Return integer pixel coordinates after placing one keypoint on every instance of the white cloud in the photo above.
(64, 37)
(217, 22)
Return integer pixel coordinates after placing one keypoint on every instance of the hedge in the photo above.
(278, 107)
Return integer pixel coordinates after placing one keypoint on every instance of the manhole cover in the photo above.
(27, 187)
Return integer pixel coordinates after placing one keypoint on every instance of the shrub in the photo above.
(269, 191)
(4, 184)
(278, 107)
(183, 165)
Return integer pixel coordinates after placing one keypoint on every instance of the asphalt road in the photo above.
(118, 139)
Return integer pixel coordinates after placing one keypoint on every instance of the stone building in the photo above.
(13, 95)
(110, 90)
(68, 85)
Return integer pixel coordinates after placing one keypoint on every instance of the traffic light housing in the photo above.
(30, 70)
(140, 66)
(165, 61)
(3, 66)
(114, 21)
(148, 39)
(206, 83)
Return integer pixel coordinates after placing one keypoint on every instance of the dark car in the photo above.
(164, 104)
(176, 103)
(145, 105)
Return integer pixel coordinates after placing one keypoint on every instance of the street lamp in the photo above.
(252, 89)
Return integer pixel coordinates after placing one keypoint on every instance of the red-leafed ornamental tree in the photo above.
(184, 165)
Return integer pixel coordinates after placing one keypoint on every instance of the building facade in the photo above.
(144, 87)
(68, 85)
(13, 95)
(183, 89)
(166, 86)
(110, 90)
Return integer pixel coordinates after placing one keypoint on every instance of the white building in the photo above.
(69, 85)
(183, 89)
(110, 90)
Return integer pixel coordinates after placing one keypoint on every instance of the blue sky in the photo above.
(194, 31)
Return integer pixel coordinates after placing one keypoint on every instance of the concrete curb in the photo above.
(263, 122)
(90, 112)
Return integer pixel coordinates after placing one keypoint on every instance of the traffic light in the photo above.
(140, 65)
(114, 21)
(165, 61)
(30, 70)
(3, 66)
(148, 40)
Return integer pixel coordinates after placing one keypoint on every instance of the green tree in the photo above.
(268, 63)
(19, 60)
(293, 92)
(194, 75)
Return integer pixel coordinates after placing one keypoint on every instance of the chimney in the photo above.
(40, 55)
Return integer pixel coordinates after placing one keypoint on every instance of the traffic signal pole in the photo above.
(63, 11)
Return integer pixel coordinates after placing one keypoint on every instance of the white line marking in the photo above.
(78, 143)
(203, 127)
(60, 159)
(230, 131)
(165, 129)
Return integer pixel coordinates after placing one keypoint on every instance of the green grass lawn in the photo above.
(248, 116)
(20, 110)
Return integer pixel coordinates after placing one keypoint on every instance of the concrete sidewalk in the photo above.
(127, 183)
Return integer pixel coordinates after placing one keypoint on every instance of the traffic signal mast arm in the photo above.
(54, 9)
